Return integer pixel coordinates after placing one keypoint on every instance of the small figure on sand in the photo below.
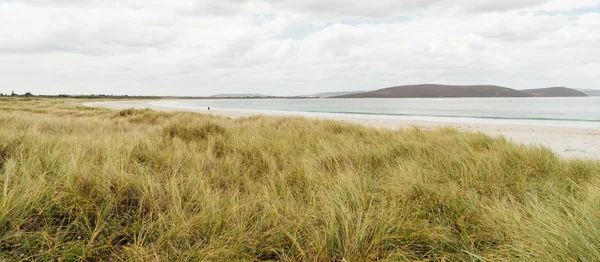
(209, 109)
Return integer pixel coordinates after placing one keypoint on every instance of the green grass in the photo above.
(137, 185)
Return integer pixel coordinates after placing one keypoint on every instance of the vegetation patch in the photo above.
(138, 185)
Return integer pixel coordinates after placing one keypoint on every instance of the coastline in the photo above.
(568, 142)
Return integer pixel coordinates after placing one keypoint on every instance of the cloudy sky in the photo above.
(293, 47)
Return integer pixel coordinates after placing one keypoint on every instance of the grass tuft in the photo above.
(194, 132)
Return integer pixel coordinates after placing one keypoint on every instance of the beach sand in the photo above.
(565, 141)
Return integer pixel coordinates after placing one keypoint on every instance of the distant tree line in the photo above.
(15, 94)
(104, 96)
(91, 96)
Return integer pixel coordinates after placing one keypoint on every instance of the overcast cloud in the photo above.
(293, 47)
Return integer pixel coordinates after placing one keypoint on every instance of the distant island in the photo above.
(240, 96)
(334, 94)
(433, 91)
(590, 92)
(555, 92)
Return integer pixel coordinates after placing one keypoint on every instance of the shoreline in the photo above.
(568, 142)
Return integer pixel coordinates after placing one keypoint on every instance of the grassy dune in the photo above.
(93, 184)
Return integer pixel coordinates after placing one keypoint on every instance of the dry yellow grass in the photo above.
(93, 184)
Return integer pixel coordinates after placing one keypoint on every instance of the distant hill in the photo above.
(239, 95)
(554, 92)
(332, 94)
(590, 92)
(432, 90)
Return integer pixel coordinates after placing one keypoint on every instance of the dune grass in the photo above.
(137, 185)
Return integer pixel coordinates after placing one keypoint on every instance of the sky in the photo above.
(293, 47)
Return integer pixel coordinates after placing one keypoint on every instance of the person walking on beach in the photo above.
(209, 109)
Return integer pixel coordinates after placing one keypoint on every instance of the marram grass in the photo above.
(137, 185)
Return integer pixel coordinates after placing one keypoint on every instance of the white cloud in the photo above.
(190, 47)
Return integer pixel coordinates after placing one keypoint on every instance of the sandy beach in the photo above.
(565, 141)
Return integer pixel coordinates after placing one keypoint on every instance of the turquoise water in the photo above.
(576, 112)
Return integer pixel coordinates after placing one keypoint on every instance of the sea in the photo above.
(577, 112)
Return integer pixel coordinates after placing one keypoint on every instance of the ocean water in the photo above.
(578, 112)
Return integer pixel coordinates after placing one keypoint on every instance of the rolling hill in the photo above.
(432, 90)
